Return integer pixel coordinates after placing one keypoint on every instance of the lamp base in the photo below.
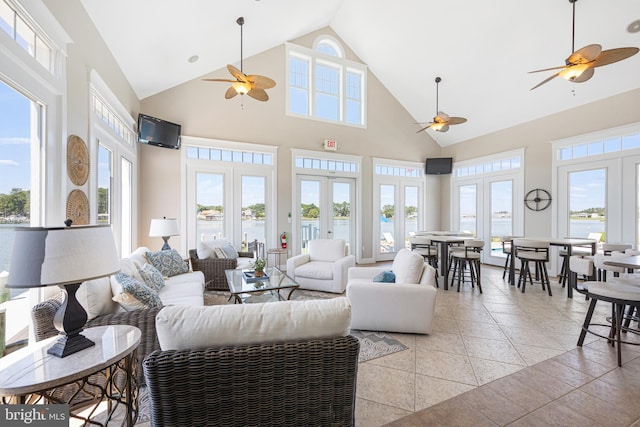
(166, 246)
(66, 345)
(69, 320)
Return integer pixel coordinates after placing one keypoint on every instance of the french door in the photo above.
(325, 209)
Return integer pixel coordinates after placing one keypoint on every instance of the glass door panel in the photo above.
(387, 218)
(411, 198)
(310, 209)
(342, 224)
(501, 203)
(587, 202)
(210, 206)
(253, 213)
(468, 203)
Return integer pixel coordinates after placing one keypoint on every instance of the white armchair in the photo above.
(407, 306)
(324, 267)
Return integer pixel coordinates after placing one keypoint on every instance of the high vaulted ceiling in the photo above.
(482, 50)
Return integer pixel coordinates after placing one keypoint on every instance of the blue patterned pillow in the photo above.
(139, 290)
(230, 251)
(168, 263)
(152, 277)
(385, 277)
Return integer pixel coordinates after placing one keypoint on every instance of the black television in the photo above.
(439, 166)
(158, 132)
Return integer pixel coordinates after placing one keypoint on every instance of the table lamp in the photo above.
(165, 228)
(66, 257)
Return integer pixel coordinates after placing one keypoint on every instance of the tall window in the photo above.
(322, 84)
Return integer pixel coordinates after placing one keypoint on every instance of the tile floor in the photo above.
(501, 358)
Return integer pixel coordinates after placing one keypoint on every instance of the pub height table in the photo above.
(103, 372)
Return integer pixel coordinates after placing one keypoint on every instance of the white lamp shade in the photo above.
(164, 227)
(60, 256)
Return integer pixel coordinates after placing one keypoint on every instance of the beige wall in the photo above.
(202, 110)
(535, 137)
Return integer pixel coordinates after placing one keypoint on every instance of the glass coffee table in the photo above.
(247, 290)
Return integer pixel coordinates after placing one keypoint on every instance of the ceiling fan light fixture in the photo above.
(574, 71)
(438, 126)
(241, 87)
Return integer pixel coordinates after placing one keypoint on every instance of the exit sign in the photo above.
(331, 144)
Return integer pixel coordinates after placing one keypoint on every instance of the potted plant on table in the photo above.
(258, 266)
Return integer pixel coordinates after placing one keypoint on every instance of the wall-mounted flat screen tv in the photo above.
(439, 166)
(158, 132)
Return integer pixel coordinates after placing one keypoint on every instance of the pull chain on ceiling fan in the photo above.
(253, 85)
(579, 66)
(442, 121)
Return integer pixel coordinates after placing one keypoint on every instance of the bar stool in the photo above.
(468, 255)
(579, 251)
(536, 252)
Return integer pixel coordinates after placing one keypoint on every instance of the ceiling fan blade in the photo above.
(444, 128)
(261, 82)
(425, 128)
(584, 55)
(548, 69)
(239, 75)
(586, 75)
(548, 79)
(614, 55)
(259, 94)
(230, 93)
(456, 121)
(220, 80)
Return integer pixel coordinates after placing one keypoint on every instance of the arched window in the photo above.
(322, 84)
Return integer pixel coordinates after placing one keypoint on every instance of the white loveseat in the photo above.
(324, 267)
(96, 296)
(406, 306)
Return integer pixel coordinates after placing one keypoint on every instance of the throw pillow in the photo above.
(169, 263)
(128, 302)
(220, 253)
(230, 251)
(385, 277)
(152, 277)
(147, 296)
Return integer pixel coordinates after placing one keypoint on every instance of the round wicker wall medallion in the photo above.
(78, 207)
(77, 160)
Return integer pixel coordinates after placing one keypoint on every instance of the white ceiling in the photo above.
(483, 50)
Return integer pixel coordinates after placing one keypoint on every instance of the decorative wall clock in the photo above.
(78, 207)
(537, 199)
(77, 160)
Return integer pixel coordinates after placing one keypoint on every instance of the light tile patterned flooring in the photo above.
(487, 350)
(501, 358)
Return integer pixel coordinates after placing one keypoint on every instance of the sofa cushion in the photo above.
(407, 266)
(330, 250)
(139, 257)
(95, 297)
(139, 290)
(151, 277)
(321, 270)
(183, 289)
(168, 262)
(385, 277)
(188, 327)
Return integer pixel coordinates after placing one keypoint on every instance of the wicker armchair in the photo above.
(145, 320)
(213, 269)
(295, 383)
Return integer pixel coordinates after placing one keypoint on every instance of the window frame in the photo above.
(344, 66)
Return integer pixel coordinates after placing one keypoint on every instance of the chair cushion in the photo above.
(385, 277)
(230, 251)
(329, 250)
(321, 270)
(188, 327)
(205, 249)
(407, 266)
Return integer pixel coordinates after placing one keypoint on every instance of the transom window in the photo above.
(305, 162)
(382, 169)
(322, 84)
(495, 165)
(600, 143)
(234, 156)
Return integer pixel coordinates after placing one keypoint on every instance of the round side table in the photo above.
(277, 257)
(31, 375)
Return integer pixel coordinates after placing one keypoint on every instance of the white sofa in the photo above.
(324, 267)
(406, 306)
(96, 296)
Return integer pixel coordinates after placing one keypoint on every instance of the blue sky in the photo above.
(15, 160)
